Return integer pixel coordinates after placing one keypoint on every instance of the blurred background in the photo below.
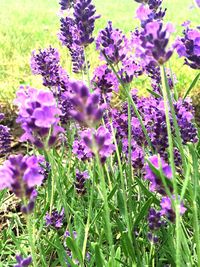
(26, 25)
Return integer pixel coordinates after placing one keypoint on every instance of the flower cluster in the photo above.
(76, 32)
(105, 83)
(112, 44)
(21, 174)
(155, 223)
(86, 109)
(95, 142)
(156, 183)
(5, 138)
(81, 178)
(23, 262)
(167, 209)
(189, 47)
(55, 219)
(38, 116)
(65, 4)
(154, 41)
(47, 64)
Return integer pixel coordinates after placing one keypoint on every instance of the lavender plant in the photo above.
(106, 184)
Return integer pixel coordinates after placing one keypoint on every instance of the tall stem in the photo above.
(172, 163)
(29, 226)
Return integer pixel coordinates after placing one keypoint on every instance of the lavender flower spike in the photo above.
(84, 16)
(86, 109)
(23, 262)
(156, 182)
(55, 219)
(21, 174)
(39, 116)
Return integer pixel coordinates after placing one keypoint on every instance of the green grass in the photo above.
(26, 25)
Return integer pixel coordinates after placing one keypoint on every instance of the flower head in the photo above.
(5, 139)
(39, 116)
(84, 16)
(167, 209)
(47, 64)
(112, 44)
(55, 218)
(23, 262)
(81, 178)
(86, 109)
(155, 180)
(189, 47)
(21, 174)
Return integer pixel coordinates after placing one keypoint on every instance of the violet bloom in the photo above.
(198, 2)
(5, 140)
(154, 42)
(68, 31)
(81, 151)
(65, 4)
(150, 45)
(155, 181)
(84, 18)
(47, 64)
(23, 262)
(112, 44)
(86, 109)
(185, 117)
(189, 47)
(167, 209)
(55, 219)
(21, 174)
(105, 83)
(99, 142)
(38, 116)
(81, 178)
(155, 223)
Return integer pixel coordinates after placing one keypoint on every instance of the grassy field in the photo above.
(26, 25)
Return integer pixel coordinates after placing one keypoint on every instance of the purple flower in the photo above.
(81, 178)
(38, 116)
(65, 4)
(81, 150)
(23, 262)
(21, 174)
(55, 218)
(198, 2)
(5, 139)
(167, 209)
(155, 219)
(68, 31)
(189, 47)
(112, 44)
(86, 109)
(84, 18)
(99, 141)
(154, 41)
(47, 64)
(155, 180)
(105, 82)
(185, 117)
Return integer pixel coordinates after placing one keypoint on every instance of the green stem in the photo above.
(30, 226)
(106, 206)
(87, 227)
(172, 163)
(87, 68)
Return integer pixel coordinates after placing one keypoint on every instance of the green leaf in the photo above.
(192, 86)
(154, 93)
(143, 211)
(120, 202)
(98, 256)
(71, 244)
